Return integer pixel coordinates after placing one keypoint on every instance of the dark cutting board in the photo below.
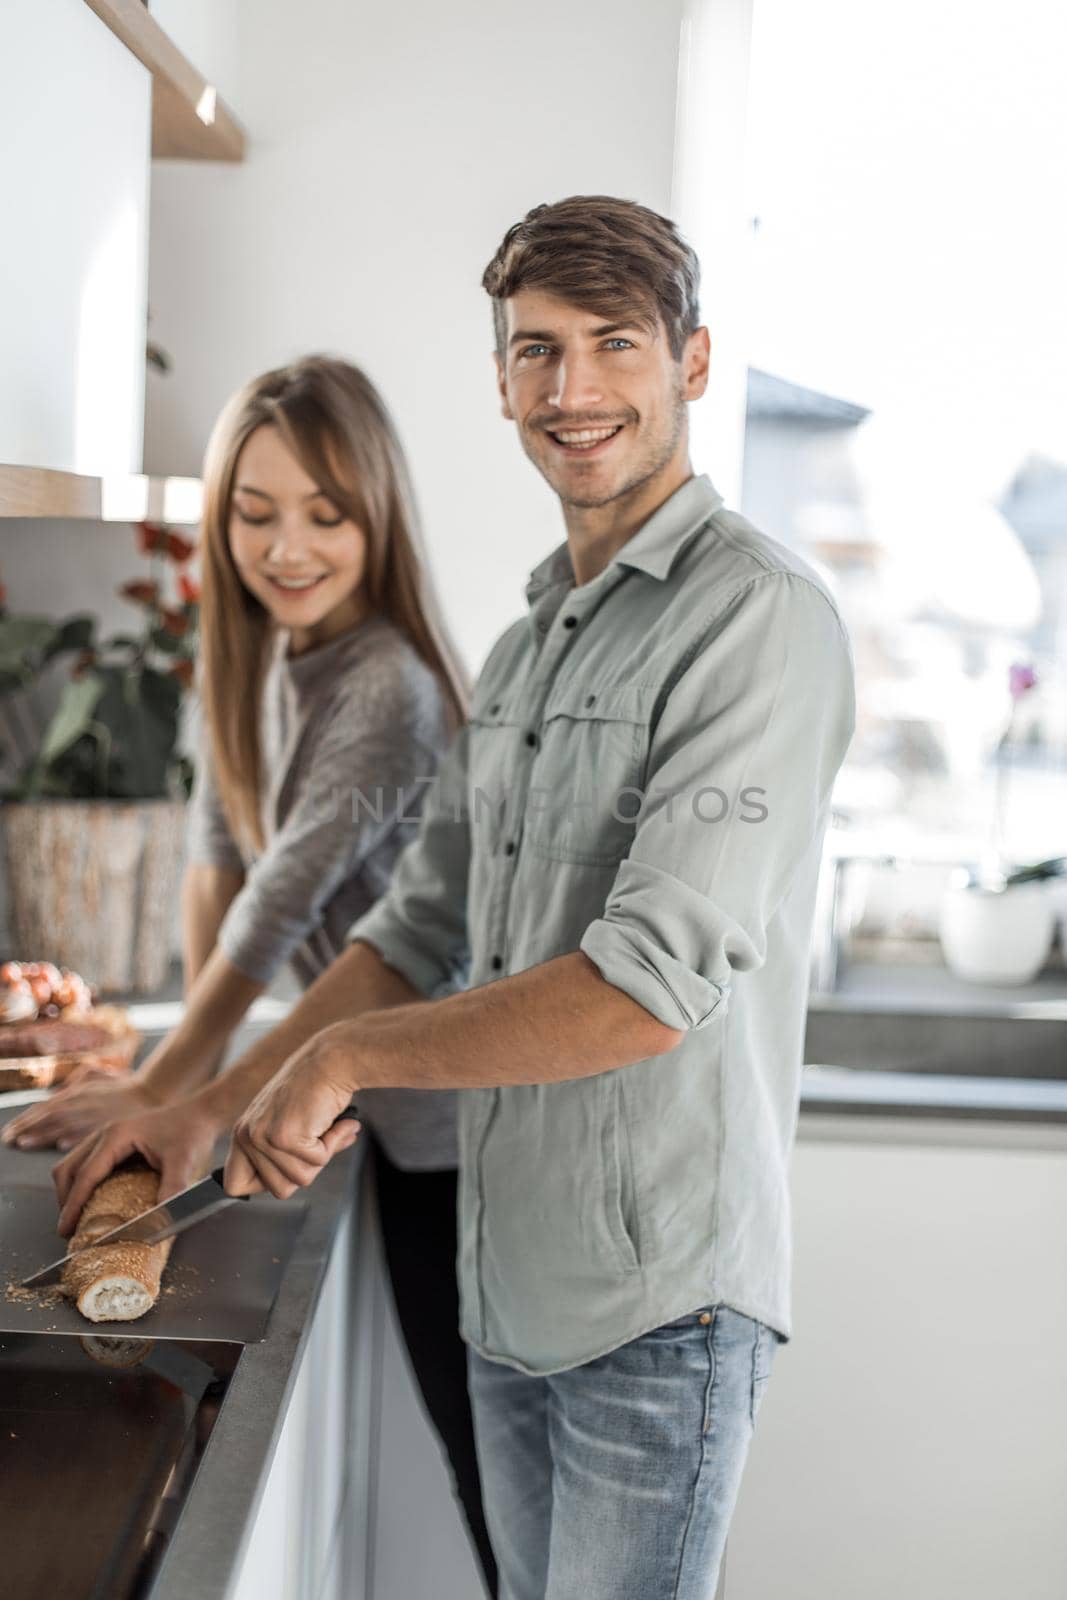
(220, 1282)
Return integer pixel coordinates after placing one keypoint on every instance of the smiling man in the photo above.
(621, 858)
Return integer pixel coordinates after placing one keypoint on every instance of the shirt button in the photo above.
(570, 622)
(705, 1318)
(531, 739)
(542, 626)
(494, 709)
(589, 699)
(509, 848)
(498, 962)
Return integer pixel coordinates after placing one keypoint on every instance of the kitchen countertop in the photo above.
(205, 1548)
(929, 986)
(847, 1090)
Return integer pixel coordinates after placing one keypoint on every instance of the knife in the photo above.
(161, 1222)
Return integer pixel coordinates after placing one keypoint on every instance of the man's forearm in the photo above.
(553, 1022)
(358, 981)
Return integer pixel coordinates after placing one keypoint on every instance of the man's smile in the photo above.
(584, 441)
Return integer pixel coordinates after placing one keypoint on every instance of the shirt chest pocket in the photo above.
(585, 791)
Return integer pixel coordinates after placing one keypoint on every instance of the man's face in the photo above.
(599, 400)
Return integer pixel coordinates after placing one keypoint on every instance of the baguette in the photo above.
(117, 1282)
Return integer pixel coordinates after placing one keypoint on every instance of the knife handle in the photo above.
(217, 1175)
(350, 1113)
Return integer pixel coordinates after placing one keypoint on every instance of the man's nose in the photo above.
(576, 385)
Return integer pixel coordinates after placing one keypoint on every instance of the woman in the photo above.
(329, 695)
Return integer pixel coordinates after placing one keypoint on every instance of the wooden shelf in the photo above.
(190, 121)
(130, 497)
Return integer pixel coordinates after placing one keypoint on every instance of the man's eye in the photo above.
(625, 344)
(533, 350)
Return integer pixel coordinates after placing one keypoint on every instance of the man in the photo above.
(624, 846)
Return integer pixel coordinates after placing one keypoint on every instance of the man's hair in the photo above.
(602, 254)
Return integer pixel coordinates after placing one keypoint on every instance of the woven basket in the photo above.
(92, 885)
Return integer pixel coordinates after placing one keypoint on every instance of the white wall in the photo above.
(710, 202)
(74, 131)
(390, 146)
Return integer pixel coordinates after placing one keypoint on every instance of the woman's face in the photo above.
(297, 553)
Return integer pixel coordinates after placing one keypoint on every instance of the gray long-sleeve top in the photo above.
(351, 734)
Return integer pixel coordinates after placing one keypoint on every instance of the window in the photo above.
(906, 425)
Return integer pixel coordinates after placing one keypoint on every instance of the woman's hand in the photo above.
(177, 1140)
(286, 1136)
(76, 1110)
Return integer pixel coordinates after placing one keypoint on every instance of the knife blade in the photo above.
(160, 1222)
(164, 1221)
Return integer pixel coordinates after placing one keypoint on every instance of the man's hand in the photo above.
(177, 1140)
(286, 1136)
(76, 1110)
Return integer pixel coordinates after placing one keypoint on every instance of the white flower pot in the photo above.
(997, 935)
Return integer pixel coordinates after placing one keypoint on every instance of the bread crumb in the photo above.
(47, 1297)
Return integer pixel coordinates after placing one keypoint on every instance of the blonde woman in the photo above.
(329, 694)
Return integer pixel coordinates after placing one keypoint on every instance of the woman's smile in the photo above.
(291, 583)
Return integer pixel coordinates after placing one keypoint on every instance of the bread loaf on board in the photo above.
(117, 1282)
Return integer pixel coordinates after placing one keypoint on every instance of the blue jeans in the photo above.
(616, 1480)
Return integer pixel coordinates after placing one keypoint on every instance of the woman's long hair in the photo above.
(336, 424)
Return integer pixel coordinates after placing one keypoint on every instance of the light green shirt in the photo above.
(705, 678)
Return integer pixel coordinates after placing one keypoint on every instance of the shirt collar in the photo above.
(653, 549)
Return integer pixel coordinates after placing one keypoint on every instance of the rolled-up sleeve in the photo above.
(741, 768)
(373, 756)
(419, 926)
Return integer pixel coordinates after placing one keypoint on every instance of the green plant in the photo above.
(114, 733)
(1038, 871)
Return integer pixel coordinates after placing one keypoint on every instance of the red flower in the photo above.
(174, 620)
(151, 536)
(189, 589)
(155, 538)
(141, 591)
(183, 671)
(179, 549)
(3, 596)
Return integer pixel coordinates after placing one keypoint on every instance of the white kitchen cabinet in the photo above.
(302, 1535)
(75, 111)
(357, 1469)
(913, 1439)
